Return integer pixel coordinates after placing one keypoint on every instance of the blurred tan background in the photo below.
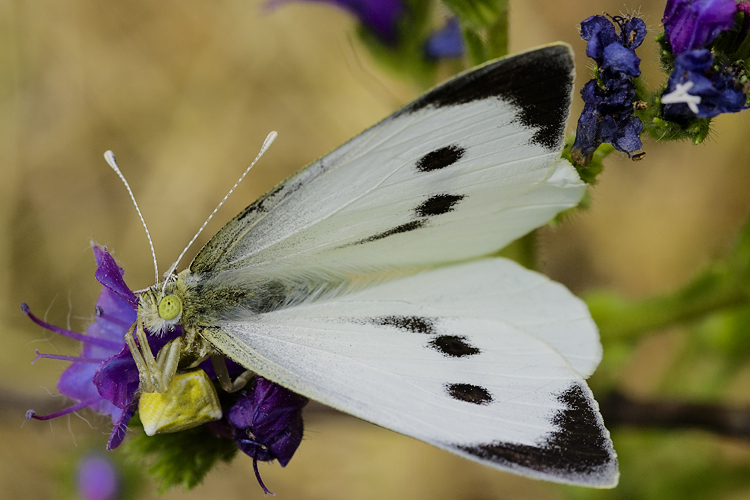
(184, 93)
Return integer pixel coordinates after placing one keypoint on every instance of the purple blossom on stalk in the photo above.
(379, 16)
(267, 422)
(447, 42)
(608, 112)
(104, 377)
(697, 89)
(103, 348)
(693, 24)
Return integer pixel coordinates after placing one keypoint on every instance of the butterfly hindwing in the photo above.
(463, 357)
(459, 173)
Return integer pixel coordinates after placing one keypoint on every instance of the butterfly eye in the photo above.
(170, 307)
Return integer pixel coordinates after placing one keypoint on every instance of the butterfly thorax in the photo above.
(162, 309)
(196, 302)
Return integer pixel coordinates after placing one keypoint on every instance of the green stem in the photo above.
(715, 290)
(497, 34)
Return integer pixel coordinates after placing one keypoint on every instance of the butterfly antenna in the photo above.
(266, 144)
(109, 156)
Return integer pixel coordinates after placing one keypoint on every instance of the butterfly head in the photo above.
(160, 308)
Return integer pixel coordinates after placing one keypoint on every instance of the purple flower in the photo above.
(379, 16)
(267, 422)
(447, 42)
(104, 377)
(97, 479)
(697, 89)
(600, 34)
(115, 312)
(608, 112)
(608, 117)
(693, 24)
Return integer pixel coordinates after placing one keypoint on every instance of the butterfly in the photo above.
(365, 281)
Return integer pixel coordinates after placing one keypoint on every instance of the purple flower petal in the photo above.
(621, 61)
(117, 379)
(599, 32)
(109, 274)
(268, 421)
(633, 32)
(693, 24)
(121, 426)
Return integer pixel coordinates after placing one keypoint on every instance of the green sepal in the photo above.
(665, 53)
(694, 130)
(591, 170)
(181, 458)
(728, 47)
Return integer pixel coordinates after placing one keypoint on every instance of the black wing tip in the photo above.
(579, 451)
(538, 82)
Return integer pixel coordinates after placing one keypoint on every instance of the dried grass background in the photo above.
(184, 92)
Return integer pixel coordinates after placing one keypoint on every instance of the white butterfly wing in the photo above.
(485, 359)
(459, 173)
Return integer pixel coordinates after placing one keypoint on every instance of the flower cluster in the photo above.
(699, 87)
(608, 112)
(265, 420)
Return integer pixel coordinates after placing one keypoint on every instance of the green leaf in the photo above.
(181, 458)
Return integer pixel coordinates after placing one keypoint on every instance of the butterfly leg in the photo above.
(140, 363)
(168, 359)
(220, 367)
(151, 374)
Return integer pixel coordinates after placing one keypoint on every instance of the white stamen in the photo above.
(680, 94)
(109, 156)
(266, 144)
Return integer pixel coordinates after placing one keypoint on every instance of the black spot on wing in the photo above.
(414, 324)
(453, 346)
(538, 82)
(578, 447)
(469, 393)
(438, 205)
(440, 158)
(403, 228)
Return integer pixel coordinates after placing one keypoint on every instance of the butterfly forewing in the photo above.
(459, 173)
